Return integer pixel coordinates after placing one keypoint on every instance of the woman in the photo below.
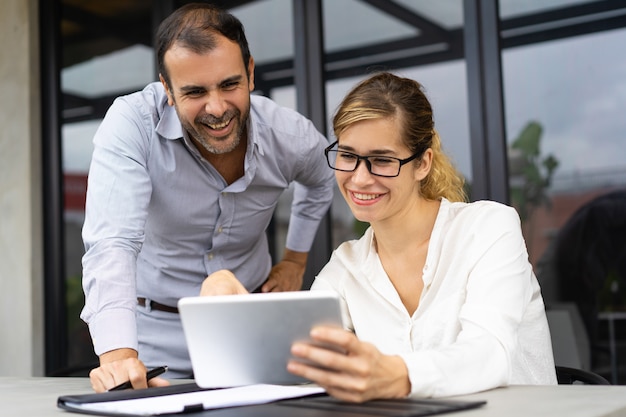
(440, 298)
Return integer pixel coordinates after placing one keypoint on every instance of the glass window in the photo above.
(368, 25)
(269, 29)
(564, 101)
(102, 59)
(567, 98)
(444, 82)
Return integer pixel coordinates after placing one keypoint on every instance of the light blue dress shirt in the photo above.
(159, 218)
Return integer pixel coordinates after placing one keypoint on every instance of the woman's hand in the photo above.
(222, 282)
(360, 374)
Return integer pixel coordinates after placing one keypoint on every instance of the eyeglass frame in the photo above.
(368, 164)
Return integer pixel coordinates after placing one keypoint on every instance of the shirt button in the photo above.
(219, 230)
(210, 256)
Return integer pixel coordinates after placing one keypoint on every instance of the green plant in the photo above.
(530, 172)
(74, 302)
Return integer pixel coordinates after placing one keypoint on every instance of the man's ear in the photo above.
(251, 75)
(170, 99)
(426, 163)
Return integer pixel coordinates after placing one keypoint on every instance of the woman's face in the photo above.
(373, 198)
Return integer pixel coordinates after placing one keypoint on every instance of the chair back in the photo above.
(570, 344)
(567, 376)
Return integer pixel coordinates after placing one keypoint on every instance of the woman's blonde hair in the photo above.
(386, 96)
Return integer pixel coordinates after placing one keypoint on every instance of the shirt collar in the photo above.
(169, 125)
(254, 141)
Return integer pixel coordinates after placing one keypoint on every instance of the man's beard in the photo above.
(206, 140)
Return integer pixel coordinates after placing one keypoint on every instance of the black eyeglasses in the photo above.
(382, 166)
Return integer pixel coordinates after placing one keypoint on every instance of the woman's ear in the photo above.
(425, 164)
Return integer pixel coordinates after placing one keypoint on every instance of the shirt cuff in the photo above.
(113, 329)
(301, 233)
(424, 375)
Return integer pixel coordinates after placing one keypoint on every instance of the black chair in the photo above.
(570, 376)
(590, 265)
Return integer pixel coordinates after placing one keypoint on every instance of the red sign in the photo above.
(75, 187)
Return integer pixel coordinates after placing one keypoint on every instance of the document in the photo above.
(195, 400)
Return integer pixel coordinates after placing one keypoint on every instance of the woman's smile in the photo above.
(365, 199)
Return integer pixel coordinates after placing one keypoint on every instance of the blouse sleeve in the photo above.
(499, 286)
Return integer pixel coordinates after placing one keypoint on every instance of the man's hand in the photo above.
(287, 275)
(222, 282)
(357, 371)
(119, 366)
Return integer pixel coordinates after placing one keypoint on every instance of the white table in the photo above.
(36, 397)
(551, 401)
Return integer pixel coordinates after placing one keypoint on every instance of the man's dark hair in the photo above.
(195, 26)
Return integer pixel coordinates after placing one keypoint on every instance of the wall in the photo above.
(21, 253)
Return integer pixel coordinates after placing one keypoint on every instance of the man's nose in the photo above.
(215, 104)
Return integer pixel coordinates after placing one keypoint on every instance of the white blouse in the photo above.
(481, 320)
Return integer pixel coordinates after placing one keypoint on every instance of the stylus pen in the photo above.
(149, 375)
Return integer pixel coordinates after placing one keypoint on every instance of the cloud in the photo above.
(576, 89)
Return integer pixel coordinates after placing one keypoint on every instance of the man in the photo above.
(184, 180)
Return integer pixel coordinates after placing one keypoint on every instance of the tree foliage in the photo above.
(531, 173)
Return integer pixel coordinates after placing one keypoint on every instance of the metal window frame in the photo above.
(311, 102)
(482, 42)
(485, 101)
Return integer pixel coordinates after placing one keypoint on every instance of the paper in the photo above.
(219, 398)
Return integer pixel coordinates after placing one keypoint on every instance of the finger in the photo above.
(106, 377)
(347, 395)
(120, 371)
(158, 382)
(341, 339)
(222, 282)
(269, 285)
(307, 370)
(241, 289)
(322, 356)
(99, 380)
(137, 377)
(330, 380)
(269, 288)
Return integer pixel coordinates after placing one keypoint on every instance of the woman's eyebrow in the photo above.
(372, 152)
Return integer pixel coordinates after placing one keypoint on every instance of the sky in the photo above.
(575, 88)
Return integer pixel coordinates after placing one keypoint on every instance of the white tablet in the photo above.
(246, 339)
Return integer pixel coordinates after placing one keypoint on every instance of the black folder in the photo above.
(406, 407)
(318, 405)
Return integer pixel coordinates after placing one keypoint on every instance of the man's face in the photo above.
(211, 94)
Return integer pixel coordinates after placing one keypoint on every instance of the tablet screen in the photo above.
(246, 339)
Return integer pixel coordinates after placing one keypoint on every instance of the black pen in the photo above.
(149, 375)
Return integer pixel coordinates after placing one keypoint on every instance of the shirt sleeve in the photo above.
(313, 192)
(498, 291)
(118, 193)
(322, 283)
